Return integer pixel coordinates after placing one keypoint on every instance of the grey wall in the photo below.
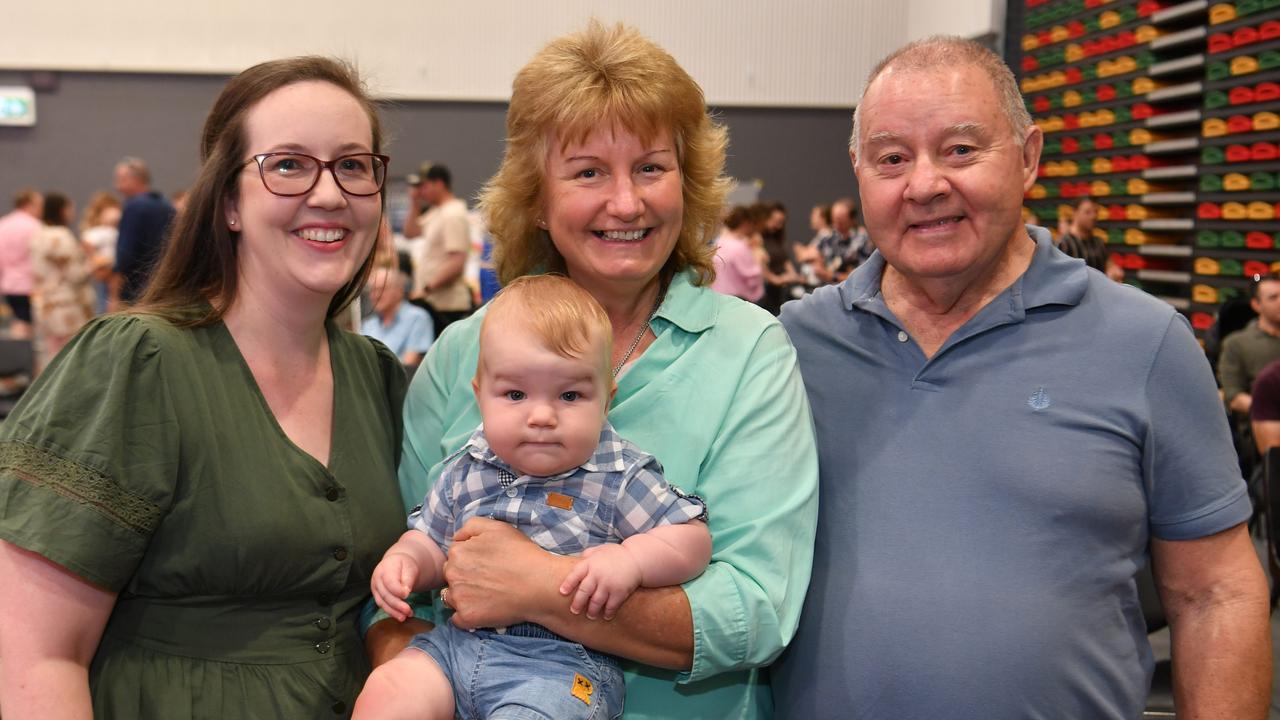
(90, 120)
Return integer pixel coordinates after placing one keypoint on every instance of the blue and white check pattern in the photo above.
(618, 492)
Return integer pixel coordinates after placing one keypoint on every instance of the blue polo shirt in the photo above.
(410, 330)
(983, 512)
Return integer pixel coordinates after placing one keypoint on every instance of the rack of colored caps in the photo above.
(1242, 95)
(1097, 166)
(1073, 75)
(1133, 211)
(1073, 98)
(1239, 182)
(1210, 295)
(1095, 118)
(1075, 52)
(1236, 124)
(1240, 153)
(1096, 188)
(1231, 267)
(1257, 210)
(1102, 21)
(1244, 36)
(1226, 12)
(1242, 65)
(1236, 240)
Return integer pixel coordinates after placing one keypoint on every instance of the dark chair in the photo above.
(17, 367)
(1160, 699)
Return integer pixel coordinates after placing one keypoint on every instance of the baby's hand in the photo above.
(393, 579)
(604, 578)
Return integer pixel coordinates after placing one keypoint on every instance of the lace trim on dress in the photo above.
(80, 483)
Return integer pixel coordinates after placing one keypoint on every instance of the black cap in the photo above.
(430, 171)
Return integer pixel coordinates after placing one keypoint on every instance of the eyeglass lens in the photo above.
(292, 174)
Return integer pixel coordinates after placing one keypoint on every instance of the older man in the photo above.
(144, 223)
(986, 505)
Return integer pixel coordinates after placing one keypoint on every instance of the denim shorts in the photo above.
(524, 672)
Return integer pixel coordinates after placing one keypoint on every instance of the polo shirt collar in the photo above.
(603, 459)
(682, 308)
(1052, 278)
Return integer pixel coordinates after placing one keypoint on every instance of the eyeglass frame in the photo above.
(324, 165)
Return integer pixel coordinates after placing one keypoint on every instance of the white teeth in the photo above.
(324, 235)
(625, 235)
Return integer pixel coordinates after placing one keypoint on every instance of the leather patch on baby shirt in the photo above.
(564, 502)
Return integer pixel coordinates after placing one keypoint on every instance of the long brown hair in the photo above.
(199, 263)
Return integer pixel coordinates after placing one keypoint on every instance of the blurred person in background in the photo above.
(144, 222)
(403, 327)
(99, 227)
(62, 296)
(780, 275)
(738, 271)
(16, 230)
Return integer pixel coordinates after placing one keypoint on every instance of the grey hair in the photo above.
(137, 167)
(948, 50)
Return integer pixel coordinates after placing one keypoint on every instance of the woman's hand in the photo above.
(498, 577)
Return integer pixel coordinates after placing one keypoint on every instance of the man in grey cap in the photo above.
(438, 222)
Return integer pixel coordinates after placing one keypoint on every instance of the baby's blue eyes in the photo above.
(570, 396)
(515, 394)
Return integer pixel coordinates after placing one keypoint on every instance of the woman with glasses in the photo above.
(194, 495)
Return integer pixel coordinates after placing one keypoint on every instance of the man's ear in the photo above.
(1031, 156)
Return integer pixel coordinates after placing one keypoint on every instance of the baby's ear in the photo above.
(475, 386)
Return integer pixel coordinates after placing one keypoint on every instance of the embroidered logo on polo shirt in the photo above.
(1039, 400)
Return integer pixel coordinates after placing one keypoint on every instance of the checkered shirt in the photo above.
(618, 492)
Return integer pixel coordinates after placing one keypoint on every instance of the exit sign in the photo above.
(17, 106)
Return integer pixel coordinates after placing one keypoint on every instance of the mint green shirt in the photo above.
(717, 398)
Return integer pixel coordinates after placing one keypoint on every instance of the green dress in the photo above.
(147, 461)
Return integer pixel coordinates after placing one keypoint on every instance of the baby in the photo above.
(545, 460)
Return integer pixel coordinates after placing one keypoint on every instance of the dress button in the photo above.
(511, 492)
(323, 647)
(903, 336)
(322, 623)
(325, 599)
(339, 707)
(332, 494)
(339, 553)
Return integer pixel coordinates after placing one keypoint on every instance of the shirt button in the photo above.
(323, 647)
(339, 707)
(332, 494)
(339, 553)
(325, 599)
(511, 492)
(903, 336)
(322, 623)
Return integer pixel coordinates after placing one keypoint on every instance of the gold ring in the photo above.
(444, 596)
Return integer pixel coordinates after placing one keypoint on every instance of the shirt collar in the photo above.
(1053, 278)
(604, 458)
(681, 307)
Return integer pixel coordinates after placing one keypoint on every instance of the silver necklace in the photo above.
(635, 343)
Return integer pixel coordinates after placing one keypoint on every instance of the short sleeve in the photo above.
(422, 332)
(435, 517)
(1231, 371)
(1193, 481)
(1266, 394)
(646, 500)
(455, 231)
(89, 457)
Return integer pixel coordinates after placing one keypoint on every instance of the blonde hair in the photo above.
(941, 51)
(99, 203)
(559, 312)
(576, 83)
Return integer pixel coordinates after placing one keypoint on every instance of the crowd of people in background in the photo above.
(756, 262)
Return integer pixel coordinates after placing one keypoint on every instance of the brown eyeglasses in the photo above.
(290, 174)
